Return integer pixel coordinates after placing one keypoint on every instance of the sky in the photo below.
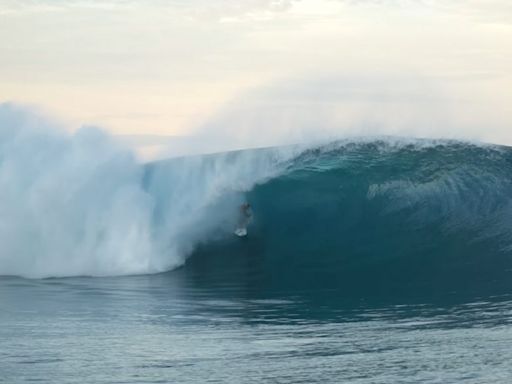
(262, 72)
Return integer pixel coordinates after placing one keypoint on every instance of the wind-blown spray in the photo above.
(80, 204)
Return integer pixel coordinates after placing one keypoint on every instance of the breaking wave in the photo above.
(381, 209)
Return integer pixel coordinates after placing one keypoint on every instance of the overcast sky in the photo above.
(262, 71)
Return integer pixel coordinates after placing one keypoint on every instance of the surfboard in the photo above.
(241, 232)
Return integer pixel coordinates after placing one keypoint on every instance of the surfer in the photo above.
(244, 218)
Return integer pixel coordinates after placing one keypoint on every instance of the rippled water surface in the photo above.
(180, 327)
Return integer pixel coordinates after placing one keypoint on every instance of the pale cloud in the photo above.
(219, 9)
(489, 11)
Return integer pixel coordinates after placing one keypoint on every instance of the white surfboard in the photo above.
(241, 232)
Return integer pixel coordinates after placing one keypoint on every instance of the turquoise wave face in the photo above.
(375, 218)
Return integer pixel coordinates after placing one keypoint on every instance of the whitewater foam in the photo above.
(81, 204)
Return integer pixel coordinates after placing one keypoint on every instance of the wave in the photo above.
(385, 210)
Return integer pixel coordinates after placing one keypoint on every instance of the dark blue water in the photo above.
(365, 263)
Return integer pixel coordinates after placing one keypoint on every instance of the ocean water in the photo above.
(371, 261)
(188, 326)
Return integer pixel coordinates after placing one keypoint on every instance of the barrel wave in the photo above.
(383, 216)
(405, 215)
